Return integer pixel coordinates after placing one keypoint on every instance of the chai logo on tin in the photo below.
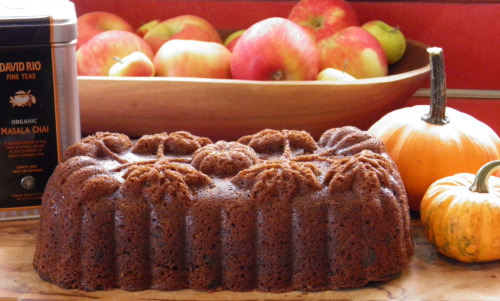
(23, 99)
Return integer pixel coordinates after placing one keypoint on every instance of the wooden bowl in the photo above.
(229, 109)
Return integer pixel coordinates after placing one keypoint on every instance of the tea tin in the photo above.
(39, 111)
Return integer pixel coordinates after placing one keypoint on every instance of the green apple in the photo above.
(135, 64)
(391, 38)
(331, 74)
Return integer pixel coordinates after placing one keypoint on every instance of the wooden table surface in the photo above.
(429, 276)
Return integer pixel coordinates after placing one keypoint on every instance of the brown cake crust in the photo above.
(274, 211)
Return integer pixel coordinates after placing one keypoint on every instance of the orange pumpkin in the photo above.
(426, 144)
(460, 215)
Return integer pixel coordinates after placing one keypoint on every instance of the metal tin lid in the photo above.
(37, 22)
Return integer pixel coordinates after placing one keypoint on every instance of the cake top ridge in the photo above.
(224, 158)
(163, 178)
(365, 171)
(99, 145)
(180, 143)
(349, 140)
(269, 164)
(279, 178)
(97, 180)
(272, 141)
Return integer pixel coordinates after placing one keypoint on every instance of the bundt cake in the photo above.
(274, 211)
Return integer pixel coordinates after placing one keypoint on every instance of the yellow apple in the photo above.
(391, 38)
(331, 74)
(185, 27)
(135, 64)
(191, 58)
(231, 39)
(144, 28)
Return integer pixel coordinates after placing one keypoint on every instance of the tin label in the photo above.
(29, 148)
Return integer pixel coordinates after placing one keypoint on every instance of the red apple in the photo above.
(144, 28)
(231, 39)
(323, 18)
(135, 64)
(354, 50)
(191, 58)
(92, 23)
(275, 49)
(96, 57)
(185, 27)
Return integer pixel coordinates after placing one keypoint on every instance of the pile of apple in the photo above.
(319, 40)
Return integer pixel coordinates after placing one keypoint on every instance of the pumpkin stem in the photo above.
(480, 183)
(437, 107)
